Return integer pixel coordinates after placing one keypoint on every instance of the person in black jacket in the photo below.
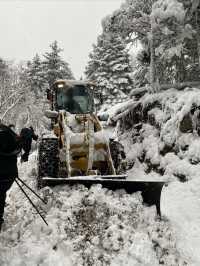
(26, 136)
(9, 148)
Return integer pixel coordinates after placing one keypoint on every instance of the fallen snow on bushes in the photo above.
(162, 142)
(86, 227)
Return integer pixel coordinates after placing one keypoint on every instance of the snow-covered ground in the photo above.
(86, 227)
(181, 204)
(101, 227)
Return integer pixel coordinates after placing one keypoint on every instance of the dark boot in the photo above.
(1, 223)
(24, 157)
(4, 187)
(2, 205)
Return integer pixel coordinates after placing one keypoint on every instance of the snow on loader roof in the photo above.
(72, 83)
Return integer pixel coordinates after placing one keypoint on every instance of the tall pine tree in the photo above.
(109, 67)
(55, 67)
(36, 75)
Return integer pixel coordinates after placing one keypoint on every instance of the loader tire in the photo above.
(118, 156)
(48, 160)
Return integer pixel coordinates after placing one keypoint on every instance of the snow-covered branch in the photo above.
(121, 111)
(179, 86)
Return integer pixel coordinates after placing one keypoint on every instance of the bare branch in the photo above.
(11, 107)
(9, 97)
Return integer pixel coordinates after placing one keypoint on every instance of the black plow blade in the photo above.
(150, 190)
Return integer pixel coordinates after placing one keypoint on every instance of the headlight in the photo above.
(60, 85)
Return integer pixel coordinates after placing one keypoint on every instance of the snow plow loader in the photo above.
(77, 150)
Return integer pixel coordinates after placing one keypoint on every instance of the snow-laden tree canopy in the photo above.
(55, 67)
(109, 67)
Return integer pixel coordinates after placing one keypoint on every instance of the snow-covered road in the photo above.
(181, 205)
(86, 227)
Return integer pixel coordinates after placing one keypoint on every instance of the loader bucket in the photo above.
(150, 190)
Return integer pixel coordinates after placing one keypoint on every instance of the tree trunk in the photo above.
(152, 62)
(198, 37)
(177, 86)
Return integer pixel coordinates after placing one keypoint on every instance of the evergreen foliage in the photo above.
(36, 75)
(169, 32)
(55, 67)
(140, 65)
(4, 70)
(109, 67)
(131, 21)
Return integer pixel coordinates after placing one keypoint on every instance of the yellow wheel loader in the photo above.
(77, 150)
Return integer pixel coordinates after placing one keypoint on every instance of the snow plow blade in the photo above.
(150, 190)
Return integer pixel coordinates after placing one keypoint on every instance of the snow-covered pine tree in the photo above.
(109, 67)
(131, 21)
(176, 39)
(55, 67)
(192, 46)
(36, 75)
(4, 70)
(140, 65)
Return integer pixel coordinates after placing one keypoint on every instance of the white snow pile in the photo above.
(181, 204)
(161, 136)
(86, 227)
(160, 133)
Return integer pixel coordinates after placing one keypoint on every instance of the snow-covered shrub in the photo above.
(194, 152)
(164, 130)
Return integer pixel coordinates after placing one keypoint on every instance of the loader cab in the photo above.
(74, 97)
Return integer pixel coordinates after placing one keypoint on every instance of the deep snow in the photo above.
(100, 227)
(167, 147)
(181, 204)
(86, 227)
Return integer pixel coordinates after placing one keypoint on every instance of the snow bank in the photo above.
(162, 141)
(182, 205)
(86, 227)
(162, 123)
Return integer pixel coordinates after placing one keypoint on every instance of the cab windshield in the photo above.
(76, 100)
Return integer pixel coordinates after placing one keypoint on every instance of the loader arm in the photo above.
(66, 141)
(109, 157)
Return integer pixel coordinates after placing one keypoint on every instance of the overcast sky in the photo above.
(28, 27)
